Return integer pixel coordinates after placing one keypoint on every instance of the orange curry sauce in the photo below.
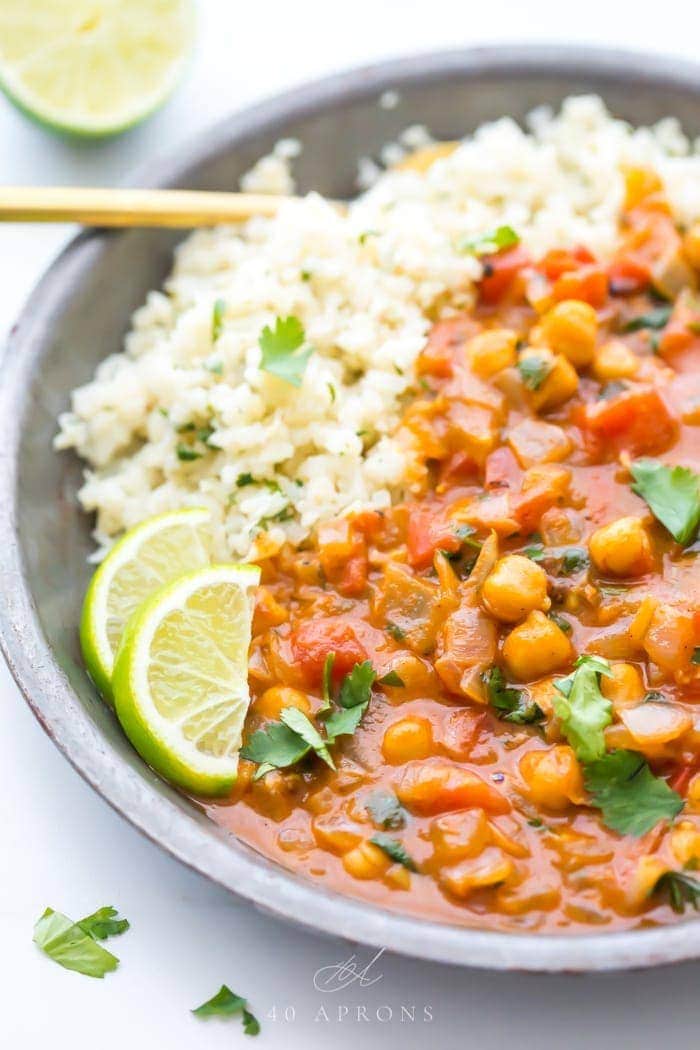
(510, 457)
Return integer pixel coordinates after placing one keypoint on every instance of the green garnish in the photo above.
(396, 632)
(227, 1004)
(283, 352)
(695, 658)
(673, 495)
(534, 369)
(681, 889)
(385, 810)
(491, 242)
(582, 709)
(362, 239)
(656, 319)
(297, 721)
(561, 621)
(244, 479)
(353, 698)
(186, 453)
(392, 678)
(395, 850)
(73, 945)
(217, 319)
(574, 559)
(632, 800)
(327, 683)
(275, 747)
(535, 552)
(509, 703)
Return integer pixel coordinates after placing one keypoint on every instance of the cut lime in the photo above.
(92, 67)
(181, 677)
(147, 557)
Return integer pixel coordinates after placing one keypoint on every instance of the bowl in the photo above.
(79, 313)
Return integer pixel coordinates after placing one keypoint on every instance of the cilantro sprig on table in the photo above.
(673, 496)
(582, 709)
(284, 743)
(227, 1004)
(284, 353)
(73, 945)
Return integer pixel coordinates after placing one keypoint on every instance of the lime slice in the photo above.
(147, 557)
(92, 67)
(181, 677)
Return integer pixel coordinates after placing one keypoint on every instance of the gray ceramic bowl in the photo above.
(79, 313)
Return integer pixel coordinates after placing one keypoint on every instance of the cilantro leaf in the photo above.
(327, 683)
(282, 349)
(695, 658)
(385, 809)
(508, 702)
(104, 923)
(217, 319)
(561, 621)
(657, 319)
(71, 946)
(275, 747)
(681, 889)
(574, 559)
(186, 453)
(632, 800)
(673, 494)
(535, 552)
(356, 687)
(394, 849)
(297, 721)
(396, 632)
(392, 678)
(582, 709)
(227, 1004)
(534, 369)
(491, 242)
(344, 721)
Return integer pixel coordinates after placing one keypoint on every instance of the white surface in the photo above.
(60, 845)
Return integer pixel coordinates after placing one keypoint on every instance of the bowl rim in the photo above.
(203, 847)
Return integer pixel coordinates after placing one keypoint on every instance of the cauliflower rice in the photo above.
(274, 459)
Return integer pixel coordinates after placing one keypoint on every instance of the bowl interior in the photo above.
(80, 313)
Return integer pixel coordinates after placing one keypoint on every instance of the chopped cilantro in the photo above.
(354, 697)
(395, 850)
(244, 479)
(297, 721)
(582, 709)
(385, 809)
(392, 678)
(283, 351)
(396, 632)
(695, 658)
(186, 453)
(673, 495)
(681, 890)
(366, 234)
(509, 703)
(657, 318)
(535, 552)
(217, 319)
(275, 747)
(534, 369)
(74, 946)
(561, 621)
(574, 559)
(227, 1004)
(327, 683)
(491, 242)
(632, 800)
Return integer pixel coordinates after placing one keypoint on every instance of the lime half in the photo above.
(147, 557)
(92, 67)
(181, 677)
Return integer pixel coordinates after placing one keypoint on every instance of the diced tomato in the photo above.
(638, 421)
(559, 261)
(352, 641)
(628, 276)
(588, 283)
(353, 578)
(429, 530)
(500, 271)
(368, 522)
(438, 787)
(446, 346)
(460, 466)
(502, 470)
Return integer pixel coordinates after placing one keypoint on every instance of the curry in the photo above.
(509, 654)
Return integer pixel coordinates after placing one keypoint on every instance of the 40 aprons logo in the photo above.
(350, 976)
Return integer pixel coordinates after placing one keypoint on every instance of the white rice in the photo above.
(362, 284)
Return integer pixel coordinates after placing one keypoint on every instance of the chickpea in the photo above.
(407, 739)
(691, 245)
(553, 777)
(366, 861)
(693, 797)
(277, 697)
(624, 686)
(622, 548)
(492, 868)
(641, 885)
(492, 351)
(685, 843)
(514, 587)
(561, 384)
(670, 638)
(536, 647)
(570, 328)
(614, 360)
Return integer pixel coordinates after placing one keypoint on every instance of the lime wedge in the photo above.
(92, 67)
(181, 677)
(147, 557)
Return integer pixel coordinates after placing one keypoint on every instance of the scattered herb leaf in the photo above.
(657, 318)
(574, 559)
(631, 799)
(275, 747)
(385, 810)
(297, 721)
(561, 621)
(509, 703)
(283, 352)
(491, 242)
(396, 632)
(534, 369)
(673, 495)
(244, 479)
(186, 453)
(535, 552)
(681, 890)
(72, 946)
(104, 923)
(392, 678)
(582, 709)
(327, 683)
(394, 849)
(217, 319)
(227, 1004)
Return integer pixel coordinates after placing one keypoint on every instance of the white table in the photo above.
(61, 845)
